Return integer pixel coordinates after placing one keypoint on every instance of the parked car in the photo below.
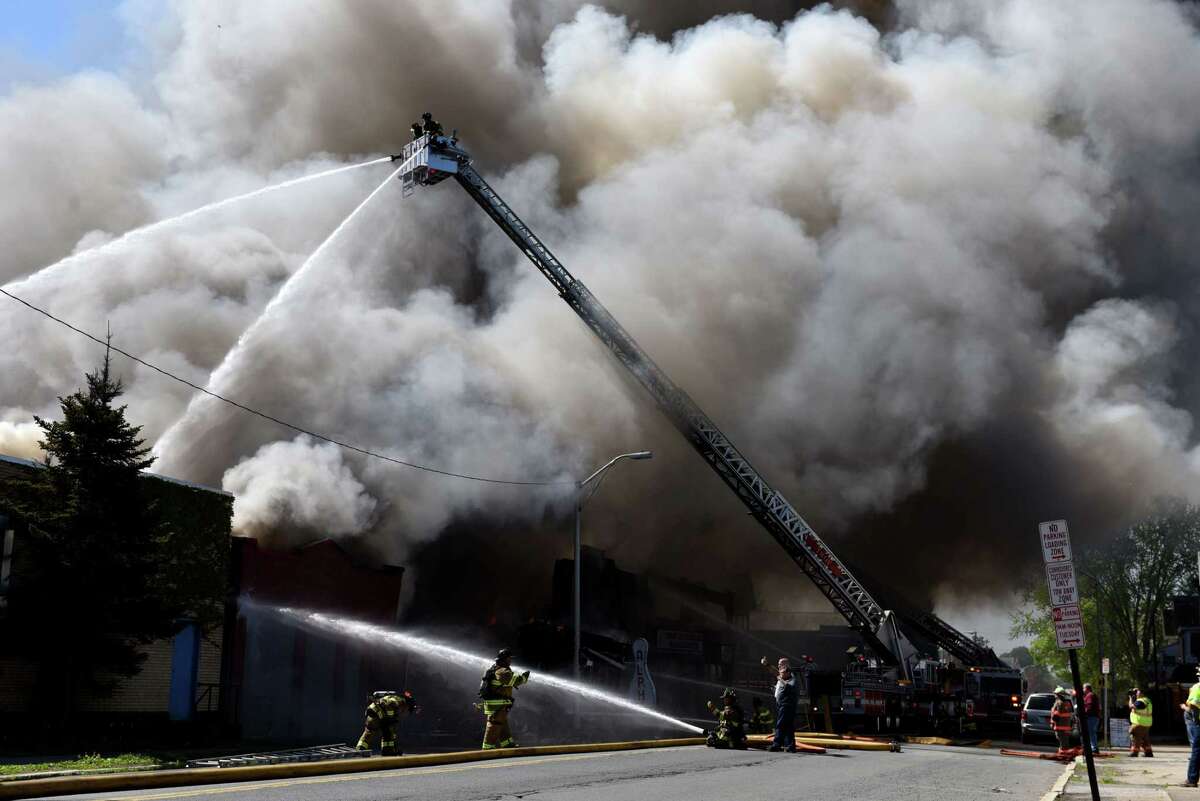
(1035, 719)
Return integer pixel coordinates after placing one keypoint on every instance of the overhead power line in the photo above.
(276, 420)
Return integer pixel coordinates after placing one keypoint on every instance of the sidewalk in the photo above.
(1140, 779)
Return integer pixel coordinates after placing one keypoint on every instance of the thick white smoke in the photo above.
(852, 247)
(298, 484)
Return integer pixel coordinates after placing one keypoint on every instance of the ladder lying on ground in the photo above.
(316, 753)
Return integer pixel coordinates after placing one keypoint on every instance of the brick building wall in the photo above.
(199, 519)
(16, 685)
(146, 692)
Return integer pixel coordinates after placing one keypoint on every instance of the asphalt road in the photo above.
(917, 774)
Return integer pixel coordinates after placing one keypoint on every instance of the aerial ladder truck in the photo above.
(900, 679)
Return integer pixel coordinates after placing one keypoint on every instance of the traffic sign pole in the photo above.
(1104, 673)
(1067, 617)
(1084, 738)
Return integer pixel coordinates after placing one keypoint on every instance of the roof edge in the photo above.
(22, 462)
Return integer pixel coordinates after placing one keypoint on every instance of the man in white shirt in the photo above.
(785, 699)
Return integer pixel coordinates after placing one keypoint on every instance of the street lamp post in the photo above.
(580, 500)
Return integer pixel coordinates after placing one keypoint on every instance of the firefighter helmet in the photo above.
(504, 654)
(729, 693)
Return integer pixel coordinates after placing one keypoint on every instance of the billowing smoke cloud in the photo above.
(73, 156)
(934, 276)
(298, 483)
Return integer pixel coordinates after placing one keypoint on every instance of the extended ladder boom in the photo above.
(433, 159)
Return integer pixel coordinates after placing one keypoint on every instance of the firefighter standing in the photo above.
(1141, 718)
(432, 126)
(730, 732)
(1061, 718)
(762, 719)
(384, 712)
(496, 699)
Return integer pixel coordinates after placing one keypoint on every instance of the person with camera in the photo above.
(1191, 717)
(1141, 718)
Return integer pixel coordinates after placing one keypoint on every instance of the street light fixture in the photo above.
(580, 500)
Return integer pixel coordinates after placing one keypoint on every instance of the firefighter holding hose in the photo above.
(730, 731)
(496, 699)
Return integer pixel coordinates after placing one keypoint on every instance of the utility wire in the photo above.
(276, 420)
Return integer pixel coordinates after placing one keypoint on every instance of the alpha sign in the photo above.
(1056, 541)
(641, 687)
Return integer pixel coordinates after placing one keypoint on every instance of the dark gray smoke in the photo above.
(932, 267)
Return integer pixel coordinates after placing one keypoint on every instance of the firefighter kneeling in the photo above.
(383, 714)
(729, 733)
(496, 699)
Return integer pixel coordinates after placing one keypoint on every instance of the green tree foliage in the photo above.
(1125, 585)
(100, 569)
(1037, 678)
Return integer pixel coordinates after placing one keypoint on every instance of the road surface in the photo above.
(920, 773)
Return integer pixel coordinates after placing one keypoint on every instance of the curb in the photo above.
(1060, 785)
(29, 788)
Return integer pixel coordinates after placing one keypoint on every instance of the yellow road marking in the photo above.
(351, 777)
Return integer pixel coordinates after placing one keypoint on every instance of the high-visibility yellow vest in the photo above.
(1142, 717)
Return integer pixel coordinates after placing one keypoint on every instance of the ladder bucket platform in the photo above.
(428, 160)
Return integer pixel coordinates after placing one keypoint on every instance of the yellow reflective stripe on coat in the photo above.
(1142, 717)
(492, 704)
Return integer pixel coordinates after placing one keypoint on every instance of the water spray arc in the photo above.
(233, 359)
(426, 647)
(131, 237)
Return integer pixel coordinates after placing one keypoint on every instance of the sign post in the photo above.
(1105, 671)
(1068, 621)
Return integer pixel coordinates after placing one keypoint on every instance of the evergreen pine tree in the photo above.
(90, 563)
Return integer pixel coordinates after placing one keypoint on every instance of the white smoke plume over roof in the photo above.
(865, 252)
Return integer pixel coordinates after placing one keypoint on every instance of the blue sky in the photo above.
(41, 39)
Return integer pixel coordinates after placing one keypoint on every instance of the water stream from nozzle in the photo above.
(426, 647)
(132, 236)
(235, 357)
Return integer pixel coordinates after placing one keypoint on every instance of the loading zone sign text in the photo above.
(1056, 541)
